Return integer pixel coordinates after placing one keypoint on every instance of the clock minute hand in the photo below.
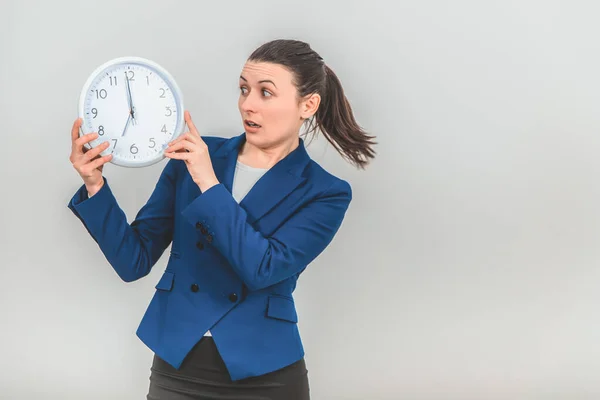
(129, 99)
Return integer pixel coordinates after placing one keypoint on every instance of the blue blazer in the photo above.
(232, 267)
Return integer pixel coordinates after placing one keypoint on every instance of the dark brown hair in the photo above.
(334, 116)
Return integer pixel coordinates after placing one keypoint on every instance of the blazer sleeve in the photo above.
(131, 249)
(263, 261)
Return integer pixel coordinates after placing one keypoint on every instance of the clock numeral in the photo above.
(133, 149)
(147, 80)
(101, 130)
(115, 145)
(153, 143)
(162, 96)
(111, 81)
(164, 129)
(169, 112)
(130, 75)
(95, 112)
(101, 94)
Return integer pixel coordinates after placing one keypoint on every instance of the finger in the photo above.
(187, 137)
(182, 145)
(178, 156)
(190, 123)
(100, 161)
(75, 129)
(179, 139)
(91, 154)
(88, 137)
(78, 148)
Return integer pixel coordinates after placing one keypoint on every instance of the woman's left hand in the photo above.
(191, 148)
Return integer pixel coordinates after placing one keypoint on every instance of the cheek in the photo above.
(284, 114)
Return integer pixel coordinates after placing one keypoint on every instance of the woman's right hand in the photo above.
(87, 162)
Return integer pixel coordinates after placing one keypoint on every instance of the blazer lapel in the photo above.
(225, 159)
(274, 186)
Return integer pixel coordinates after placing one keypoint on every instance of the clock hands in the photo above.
(129, 101)
(129, 118)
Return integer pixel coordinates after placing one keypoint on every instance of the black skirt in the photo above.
(203, 376)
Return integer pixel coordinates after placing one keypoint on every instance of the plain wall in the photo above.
(468, 264)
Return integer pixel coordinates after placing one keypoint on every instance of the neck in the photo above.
(265, 157)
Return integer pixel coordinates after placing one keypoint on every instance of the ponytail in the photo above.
(335, 120)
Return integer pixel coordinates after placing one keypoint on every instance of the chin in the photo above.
(256, 138)
(261, 140)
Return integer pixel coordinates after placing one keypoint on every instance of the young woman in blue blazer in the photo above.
(244, 217)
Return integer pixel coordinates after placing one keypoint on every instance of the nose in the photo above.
(248, 104)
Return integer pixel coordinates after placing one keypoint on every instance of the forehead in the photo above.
(257, 71)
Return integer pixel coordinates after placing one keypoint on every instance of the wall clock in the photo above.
(135, 105)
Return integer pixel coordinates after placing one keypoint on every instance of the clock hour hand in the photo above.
(127, 124)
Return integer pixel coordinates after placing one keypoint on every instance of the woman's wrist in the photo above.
(93, 189)
(207, 184)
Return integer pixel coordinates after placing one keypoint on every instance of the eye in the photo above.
(243, 89)
(266, 93)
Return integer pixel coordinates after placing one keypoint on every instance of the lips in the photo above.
(251, 123)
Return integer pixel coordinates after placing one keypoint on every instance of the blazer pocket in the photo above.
(279, 307)
(166, 281)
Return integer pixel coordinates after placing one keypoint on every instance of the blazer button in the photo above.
(209, 238)
(195, 288)
(203, 230)
(233, 297)
(199, 225)
(200, 245)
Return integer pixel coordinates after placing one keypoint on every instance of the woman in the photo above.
(245, 216)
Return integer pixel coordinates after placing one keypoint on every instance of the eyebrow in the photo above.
(263, 81)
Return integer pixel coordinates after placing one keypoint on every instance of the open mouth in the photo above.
(251, 124)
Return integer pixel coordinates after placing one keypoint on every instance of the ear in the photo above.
(310, 105)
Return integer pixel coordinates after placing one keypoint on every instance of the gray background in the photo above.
(467, 266)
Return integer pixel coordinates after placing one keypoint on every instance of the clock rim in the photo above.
(180, 125)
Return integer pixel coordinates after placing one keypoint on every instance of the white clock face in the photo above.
(136, 106)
